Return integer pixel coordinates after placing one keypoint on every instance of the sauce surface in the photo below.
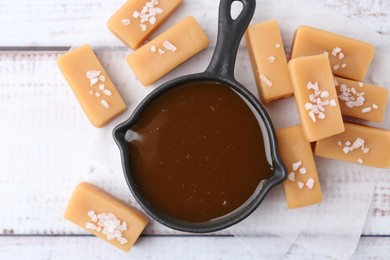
(198, 152)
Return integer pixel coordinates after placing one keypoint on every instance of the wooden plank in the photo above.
(54, 138)
(170, 247)
(61, 23)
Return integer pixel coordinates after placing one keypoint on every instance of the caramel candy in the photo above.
(361, 100)
(302, 187)
(136, 20)
(348, 57)
(91, 85)
(164, 53)
(105, 216)
(269, 61)
(316, 97)
(358, 144)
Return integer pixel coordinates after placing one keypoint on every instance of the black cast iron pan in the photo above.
(220, 70)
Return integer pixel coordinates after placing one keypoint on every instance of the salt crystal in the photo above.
(360, 161)
(310, 183)
(321, 115)
(308, 106)
(335, 51)
(303, 170)
(300, 185)
(107, 92)
(97, 94)
(349, 104)
(312, 116)
(152, 20)
(101, 86)
(144, 10)
(324, 94)
(93, 81)
(266, 80)
(124, 226)
(325, 103)
(333, 103)
(365, 150)
(366, 110)
(136, 14)
(312, 98)
(126, 22)
(152, 12)
(169, 46)
(296, 165)
(375, 106)
(341, 56)
(153, 48)
(160, 51)
(159, 10)
(122, 240)
(359, 142)
(339, 143)
(144, 18)
(336, 67)
(94, 218)
(291, 176)
(320, 107)
(105, 104)
(361, 84)
(277, 45)
(143, 27)
(90, 225)
(91, 213)
(326, 53)
(346, 150)
(102, 78)
(347, 143)
(271, 59)
(93, 74)
(343, 65)
(336, 83)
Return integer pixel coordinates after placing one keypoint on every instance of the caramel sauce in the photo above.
(197, 152)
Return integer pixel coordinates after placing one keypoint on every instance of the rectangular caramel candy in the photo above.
(137, 19)
(105, 216)
(316, 97)
(164, 53)
(358, 144)
(91, 85)
(269, 62)
(362, 100)
(348, 57)
(302, 187)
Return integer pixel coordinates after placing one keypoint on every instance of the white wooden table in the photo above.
(44, 139)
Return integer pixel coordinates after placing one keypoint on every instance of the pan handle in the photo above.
(230, 33)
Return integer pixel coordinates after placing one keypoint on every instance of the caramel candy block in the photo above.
(164, 53)
(361, 100)
(358, 144)
(105, 216)
(349, 58)
(316, 97)
(91, 85)
(302, 187)
(137, 19)
(269, 61)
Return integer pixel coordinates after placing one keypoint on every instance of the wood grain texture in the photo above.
(32, 81)
(42, 156)
(60, 22)
(162, 247)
